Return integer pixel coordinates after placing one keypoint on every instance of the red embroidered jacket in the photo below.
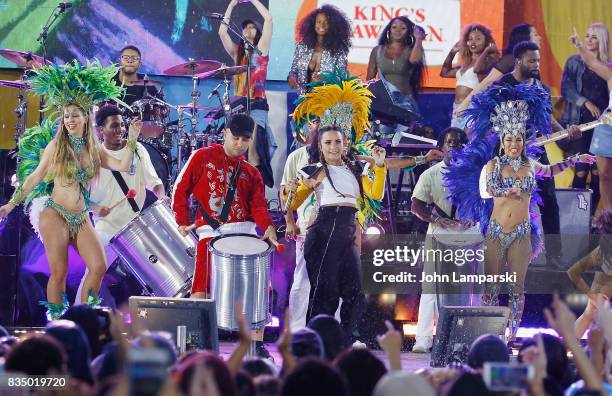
(207, 175)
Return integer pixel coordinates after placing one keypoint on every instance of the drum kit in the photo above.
(150, 246)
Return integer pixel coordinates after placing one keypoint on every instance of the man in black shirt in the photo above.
(130, 60)
(527, 71)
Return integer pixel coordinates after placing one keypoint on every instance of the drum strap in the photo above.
(125, 189)
(229, 197)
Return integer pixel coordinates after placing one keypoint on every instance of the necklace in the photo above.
(515, 163)
(78, 143)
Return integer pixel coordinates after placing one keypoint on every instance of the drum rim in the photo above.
(212, 249)
(138, 214)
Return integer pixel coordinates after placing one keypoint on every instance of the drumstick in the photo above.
(197, 224)
(280, 247)
(130, 194)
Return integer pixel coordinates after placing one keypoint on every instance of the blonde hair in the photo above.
(600, 30)
(65, 161)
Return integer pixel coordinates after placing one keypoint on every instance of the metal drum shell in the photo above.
(153, 250)
(240, 278)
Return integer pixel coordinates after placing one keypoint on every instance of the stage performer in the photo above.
(601, 288)
(333, 88)
(430, 203)
(262, 145)
(504, 118)
(64, 170)
(586, 97)
(399, 59)
(112, 187)
(130, 60)
(208, 175)
(601, 143)
(331, 256)
(478, 53)
(325, 39)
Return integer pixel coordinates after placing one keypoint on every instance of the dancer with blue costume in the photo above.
(59, 169)
(505, 120)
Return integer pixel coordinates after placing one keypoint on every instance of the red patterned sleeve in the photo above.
(259, 206)
(184, 186)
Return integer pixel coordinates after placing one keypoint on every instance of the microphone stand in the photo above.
(42, 39)
(249, 49)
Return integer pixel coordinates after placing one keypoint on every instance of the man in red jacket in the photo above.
(208, 175)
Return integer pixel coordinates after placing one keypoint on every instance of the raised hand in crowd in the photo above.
(391, 343)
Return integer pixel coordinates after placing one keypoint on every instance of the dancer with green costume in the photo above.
(60, 169)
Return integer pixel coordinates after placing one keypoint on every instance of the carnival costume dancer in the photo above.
(68, 163)
(505, 116)
(331, 256)
(600, 290)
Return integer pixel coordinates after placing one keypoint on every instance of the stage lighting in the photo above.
(375, 229)
(409, 329)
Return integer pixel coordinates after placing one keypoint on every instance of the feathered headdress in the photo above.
(493, 113)
(78, 84)
(338, 99)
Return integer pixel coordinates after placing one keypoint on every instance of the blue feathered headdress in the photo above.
(485, 106)
(462, 176)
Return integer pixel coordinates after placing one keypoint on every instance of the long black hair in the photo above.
(416, 79)
(241, 53)
(338, 37)
(348, 159)
(520, 32)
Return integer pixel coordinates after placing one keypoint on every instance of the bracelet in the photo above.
(420, 160)
(131, 144)
(17, 196)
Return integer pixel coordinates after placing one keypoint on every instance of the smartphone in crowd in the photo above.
(148, 370)
(507, 376)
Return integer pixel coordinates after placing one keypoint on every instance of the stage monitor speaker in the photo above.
(199, 316)
(458, 327)
(575, 221)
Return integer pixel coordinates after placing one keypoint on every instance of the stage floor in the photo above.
(410, 361)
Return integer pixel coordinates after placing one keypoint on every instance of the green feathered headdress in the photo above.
(31, 145)
(78, 84)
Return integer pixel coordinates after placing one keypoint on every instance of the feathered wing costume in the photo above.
(342, 100)
(73, 83)
(492, 114)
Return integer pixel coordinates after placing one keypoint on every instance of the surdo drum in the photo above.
(240, 274)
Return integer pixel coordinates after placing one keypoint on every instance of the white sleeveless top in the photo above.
(344, 181)
(468, 79)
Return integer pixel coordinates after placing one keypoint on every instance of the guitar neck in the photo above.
(541, 141)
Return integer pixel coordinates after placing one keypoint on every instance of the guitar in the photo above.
(604, 119)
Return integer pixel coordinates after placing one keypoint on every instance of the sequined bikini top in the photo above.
(527, 183)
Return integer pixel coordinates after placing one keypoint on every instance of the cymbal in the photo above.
(193, 67)
(188, 106)
(24, 59)
(147, 82)
(224, 71)
(19, 84)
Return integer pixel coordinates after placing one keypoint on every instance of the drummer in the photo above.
(108, 190)
(130, 60)
(208, 175)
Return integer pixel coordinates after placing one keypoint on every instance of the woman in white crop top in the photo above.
(478, 55)
(332, 258)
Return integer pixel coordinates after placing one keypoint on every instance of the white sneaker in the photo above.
(359, 345)
(420, 349)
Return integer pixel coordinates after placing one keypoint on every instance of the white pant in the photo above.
(300, 289)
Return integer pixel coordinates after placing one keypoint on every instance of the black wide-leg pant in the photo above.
(334, 268)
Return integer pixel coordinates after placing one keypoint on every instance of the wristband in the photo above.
(17, 197)
(420, 160)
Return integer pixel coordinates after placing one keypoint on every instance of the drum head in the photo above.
(240, 245)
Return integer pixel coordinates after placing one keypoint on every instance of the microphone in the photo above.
(64, 5)
(214, 91)
(215, 15)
